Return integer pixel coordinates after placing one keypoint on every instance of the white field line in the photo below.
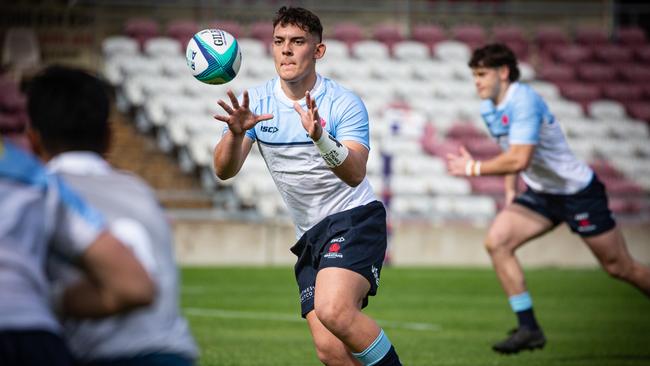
(234, 314)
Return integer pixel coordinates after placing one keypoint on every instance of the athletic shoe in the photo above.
(520, 339)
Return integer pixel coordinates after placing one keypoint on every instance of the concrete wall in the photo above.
(216, 242)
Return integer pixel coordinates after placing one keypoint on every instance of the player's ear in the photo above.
(36, 142)
(504, 73)
(319, 52)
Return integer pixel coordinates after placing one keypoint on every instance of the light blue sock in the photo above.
(520, 302)
(376, 351)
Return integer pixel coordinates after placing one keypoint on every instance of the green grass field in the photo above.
(433, 316)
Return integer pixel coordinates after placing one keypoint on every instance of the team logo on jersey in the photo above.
(505, 120)
(333, 251)
(269, 129)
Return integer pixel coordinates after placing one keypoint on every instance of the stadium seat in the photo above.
(141, 29)
(557, 73)
(513, 37)
(545, 89)
(336, 49)
(622, 92)
(350, 33)
(388, 34)
(163, 47)
(252, 48)
(116, 45)
(429, 34)
(482, 148)
(563, 109)
(631, 36)
(452, 51)
(230, 26)
(635, 73)
(572, 54)
(642, 53)
(370, 50)
(411, 51)
(606, 109)
(262, 31)
(639, 110)
(471, 34)
(596, 72)
(549, 37)
(21, 49)
(612, 53)
(182, 31)
(591, 36)
(488, 185)
(581, 93)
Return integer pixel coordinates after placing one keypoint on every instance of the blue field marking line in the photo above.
(254, 315)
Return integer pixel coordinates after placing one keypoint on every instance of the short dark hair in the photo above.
(69, 108)
(496, 55)
(301, 17)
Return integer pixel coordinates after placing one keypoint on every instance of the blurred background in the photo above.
(406, 59)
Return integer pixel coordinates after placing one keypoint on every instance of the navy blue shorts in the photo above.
(354, 239)
(586, 211)
(33, 348)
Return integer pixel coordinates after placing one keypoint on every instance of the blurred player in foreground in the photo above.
(69, 110)
(40, 214)
(560, 188)
(317, 157)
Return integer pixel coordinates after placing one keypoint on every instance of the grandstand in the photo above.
(407, 60)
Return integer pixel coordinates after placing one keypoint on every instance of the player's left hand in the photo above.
(310, 118)
(456, 163)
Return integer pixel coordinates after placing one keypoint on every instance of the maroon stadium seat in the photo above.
(262, 31)
(482, 148)
(639, 110)
(613, 53)
(581, 92)
(642, 53)
(635, 73)
(590, 36)
(428, 34)
(350, 33)
(388, 34)
(472, 35)
(572, 54)
(141, 29)
(605, 170)
(231, 27)
(441, 149)
(622, 92)
(490, 185)
(631, 36)
(513, 37)
(596, 72)
(464, 131)
(182, 30)
(548, 37)
(557, 73)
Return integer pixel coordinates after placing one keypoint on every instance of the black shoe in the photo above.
(521, 339)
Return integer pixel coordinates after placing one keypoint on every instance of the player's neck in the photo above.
(503, 92)
(295, 90)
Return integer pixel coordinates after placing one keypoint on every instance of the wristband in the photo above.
(469, 166)
(332, 151)
(477, 168)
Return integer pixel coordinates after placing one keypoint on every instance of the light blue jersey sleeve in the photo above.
(351, 119)
(526, 119)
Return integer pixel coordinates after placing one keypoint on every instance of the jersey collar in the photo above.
(79, 162)
(282, 97)
(511, 91)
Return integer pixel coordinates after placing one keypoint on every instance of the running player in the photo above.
(154, 335)
(313, 135)
(560, 188)
(40, 214)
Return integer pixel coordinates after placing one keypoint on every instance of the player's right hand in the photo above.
(239, 118)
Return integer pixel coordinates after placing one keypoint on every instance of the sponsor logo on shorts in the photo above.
(338, 240)
(306, 294)
(375, 273)
(333, 251)
(584, 225)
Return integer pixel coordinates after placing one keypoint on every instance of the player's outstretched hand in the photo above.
(310, 118)
(456, 164)
(239, 118)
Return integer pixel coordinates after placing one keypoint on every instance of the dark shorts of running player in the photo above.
(586, 211)
(354, 239)
(33, 348)
(152, 359)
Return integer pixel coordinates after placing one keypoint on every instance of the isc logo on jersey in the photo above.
(213, 56)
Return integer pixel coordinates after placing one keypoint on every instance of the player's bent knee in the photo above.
(335, 316)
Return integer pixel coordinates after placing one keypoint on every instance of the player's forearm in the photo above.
(510, 182)
(502, 164)
(353, 169)
(228, 156)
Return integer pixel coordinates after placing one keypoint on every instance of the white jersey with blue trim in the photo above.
(309, 188)
(39, 214)
(524, 118)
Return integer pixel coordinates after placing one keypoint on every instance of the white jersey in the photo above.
(309, 188)
(38, 213)
(524, 118)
